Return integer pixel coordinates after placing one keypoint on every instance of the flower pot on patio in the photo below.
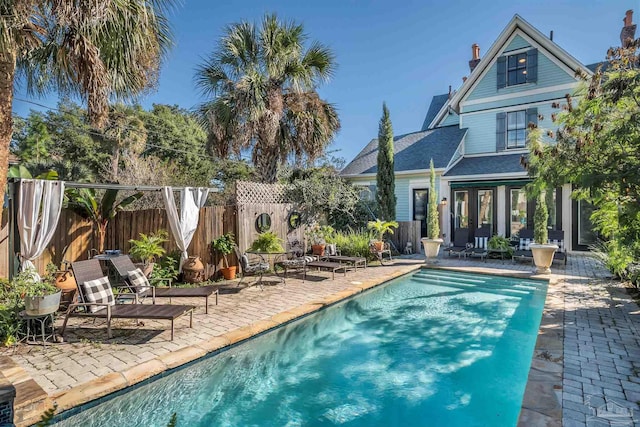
(229, 273)
(431, 248)
(543, 257)
(42, 305)
(193, 270)
(317, 249)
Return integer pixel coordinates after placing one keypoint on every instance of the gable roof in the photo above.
(516, 23)
(485, 165)
(437, 102)
(412, 151)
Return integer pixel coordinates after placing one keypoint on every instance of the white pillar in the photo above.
(567, 217)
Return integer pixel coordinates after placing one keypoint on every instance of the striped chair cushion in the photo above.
(331, 250)
(560, 244)
(481, 242)
(97, 291)
(524, 244)
(139, 280)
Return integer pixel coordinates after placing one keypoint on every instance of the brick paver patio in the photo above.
(590, 324)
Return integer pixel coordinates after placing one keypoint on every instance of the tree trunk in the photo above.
(7, 73)
(102, 232)
(115, 160)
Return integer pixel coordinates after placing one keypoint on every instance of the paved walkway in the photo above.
(594, 316)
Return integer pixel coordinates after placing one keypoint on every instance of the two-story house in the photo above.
(477, 137)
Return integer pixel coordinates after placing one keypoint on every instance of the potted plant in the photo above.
(432, 242)
(317, 236)
(542, 251)
(41, 297)
(268, 243)
(500, 244)
(224, 246)
(148, 248)
(380, 228)
(543, 176)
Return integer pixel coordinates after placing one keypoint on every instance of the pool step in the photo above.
(474, 287)
(494, 282)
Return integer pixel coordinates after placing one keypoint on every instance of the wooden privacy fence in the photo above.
(74, 237)
(407, 231)
(279, 213)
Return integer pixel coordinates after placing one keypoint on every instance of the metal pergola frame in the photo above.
(12, 189)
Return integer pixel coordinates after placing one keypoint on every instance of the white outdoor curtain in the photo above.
(40, 203)
(183, 226)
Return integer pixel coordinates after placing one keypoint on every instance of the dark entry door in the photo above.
(420, 201)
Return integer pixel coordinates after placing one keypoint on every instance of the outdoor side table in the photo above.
(501, 252)
(37, 328)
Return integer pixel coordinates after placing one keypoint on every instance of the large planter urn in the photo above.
(42, 305)
(193, 270)
(543, 257)
(431, 248)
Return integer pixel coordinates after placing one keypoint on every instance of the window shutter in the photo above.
(502, 72)
(532, 116)
(501, 131)
(532, 65)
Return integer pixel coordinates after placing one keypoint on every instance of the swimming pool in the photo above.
(433, 348)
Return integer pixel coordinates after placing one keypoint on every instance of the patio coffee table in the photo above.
(326, 265)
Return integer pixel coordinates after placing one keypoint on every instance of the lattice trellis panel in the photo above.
(258, 192)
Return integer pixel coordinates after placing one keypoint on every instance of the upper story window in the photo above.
(517, 68)
(516, 129)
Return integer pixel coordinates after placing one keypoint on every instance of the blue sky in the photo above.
(401, 52)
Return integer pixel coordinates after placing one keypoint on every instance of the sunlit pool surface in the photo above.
(437, 348)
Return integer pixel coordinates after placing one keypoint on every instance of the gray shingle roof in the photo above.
(436, 105)
(412, 151)
(485, 165)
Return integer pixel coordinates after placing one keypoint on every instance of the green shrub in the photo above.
(149, 246)
(500, 242)
(354, 243)
(615, 256)
(166, 268)
(11, 303)
(267, 242)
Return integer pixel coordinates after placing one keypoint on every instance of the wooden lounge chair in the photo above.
(98, 301)
(123, 265)
(556, 237)
(460, 242)
(480, 247)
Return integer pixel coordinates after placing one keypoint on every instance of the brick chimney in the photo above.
(475, 56)
(628, 33)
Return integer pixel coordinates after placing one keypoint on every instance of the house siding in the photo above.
(481, 134)
(402, 200)
(520, 100)
(517, 43)
(449, 120)
(549, 74)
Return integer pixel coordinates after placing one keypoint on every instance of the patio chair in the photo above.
(140, 287)
(460, 242)
(379, 254)
(98, 301)
(252, 267)
(525, 238)
(556, 237)
(481, 241)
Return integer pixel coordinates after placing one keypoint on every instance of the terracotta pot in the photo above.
(66, 281)
(193, 270)
(317, 249)
(543, 257)
(431, 248)
(379, 245)
(229, 273)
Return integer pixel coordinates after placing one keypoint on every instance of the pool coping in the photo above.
(541, 402)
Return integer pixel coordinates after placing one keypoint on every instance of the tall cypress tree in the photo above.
(385, 178)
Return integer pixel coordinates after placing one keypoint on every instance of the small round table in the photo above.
(37, 327)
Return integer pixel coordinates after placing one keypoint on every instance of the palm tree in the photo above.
(84, 202)
(97, 50)
(262, 81)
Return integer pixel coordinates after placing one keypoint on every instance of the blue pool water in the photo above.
(437, 348)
